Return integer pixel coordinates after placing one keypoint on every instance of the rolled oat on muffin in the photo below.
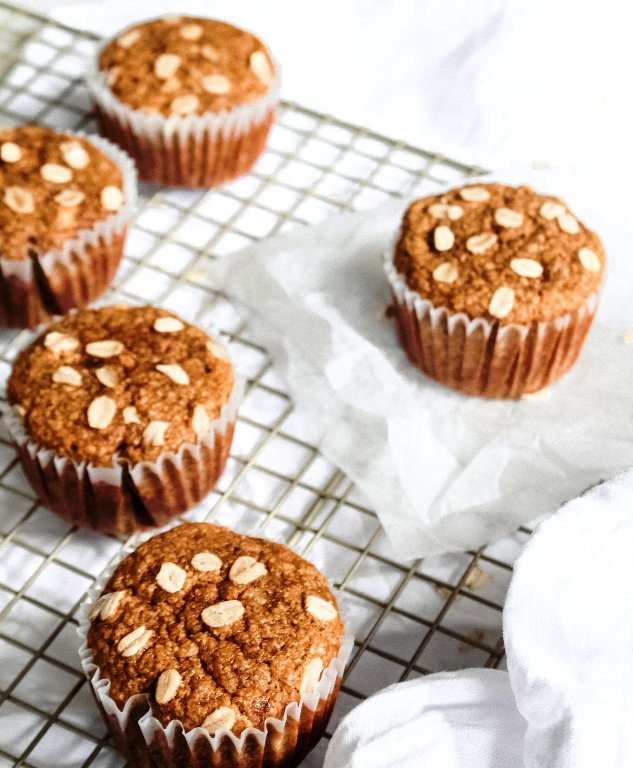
(66, 201)
(209, 647)
(494, 288)
(191, 99)
(122, 416)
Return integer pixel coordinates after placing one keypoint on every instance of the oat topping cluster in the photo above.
(220, 596)
(498, 251)
(186, 65)
(51, 186)
(120, 381)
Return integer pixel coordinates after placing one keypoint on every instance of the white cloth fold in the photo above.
(567, 699)
(444, 472)
(568, 629)
(448, 720)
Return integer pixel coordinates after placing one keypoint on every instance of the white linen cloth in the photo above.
(567, 699)
(448, 720)
(568, 629)
(444, 472)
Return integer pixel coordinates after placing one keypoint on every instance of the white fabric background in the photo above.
(499, 83)
(567, 699)
(495, 82)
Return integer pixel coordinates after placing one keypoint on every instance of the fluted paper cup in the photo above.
(35, 289)
(185, 150)
(146, 743)
(478, 357)
(124, 498)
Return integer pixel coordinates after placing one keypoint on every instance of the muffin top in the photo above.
(499, 252)
(119, 384)
(182, 65)
(52, 186)
(220, 630)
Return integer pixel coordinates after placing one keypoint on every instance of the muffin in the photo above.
(65, 205)
(206, 647)
(122, 416)
(494, 288)
(191, 99)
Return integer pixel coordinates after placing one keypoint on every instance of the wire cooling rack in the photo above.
(409, 618)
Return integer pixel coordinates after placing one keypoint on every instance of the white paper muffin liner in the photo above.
(124, 498)
(82, 269)
(185, 150)
(148, 744)
(478, 357)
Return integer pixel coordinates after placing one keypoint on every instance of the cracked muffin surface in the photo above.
(183, 65)
(52, 185)
(499, 252)
(218, 629)
(119, 384)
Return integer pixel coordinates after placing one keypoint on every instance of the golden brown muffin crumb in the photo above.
(186, 65)
(124, 382)
(52, 185)
(499, 252)
(218, 629)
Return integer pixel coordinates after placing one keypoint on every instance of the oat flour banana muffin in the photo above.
(494, 288)
(122, 416)
(65, 204)
(191, 99)
(202, 628)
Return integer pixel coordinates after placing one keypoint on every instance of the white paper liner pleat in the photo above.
(481, 357)
(157, 128)
(423, 308)
(112, 475)
(102, 231)
(151, 727)
(189, 463)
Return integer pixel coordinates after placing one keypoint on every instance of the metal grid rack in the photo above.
(409, 618)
